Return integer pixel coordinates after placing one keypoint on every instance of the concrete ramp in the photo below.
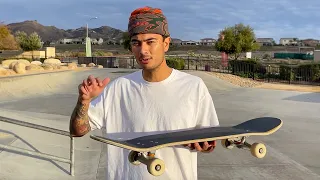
(213, 83)
(49, 99)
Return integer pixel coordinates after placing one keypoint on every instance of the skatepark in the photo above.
(48, 100)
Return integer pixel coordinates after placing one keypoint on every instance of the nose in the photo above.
(144, 49)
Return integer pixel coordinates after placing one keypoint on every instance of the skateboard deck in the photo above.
(230, 136)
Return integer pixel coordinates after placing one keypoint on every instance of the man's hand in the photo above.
(205, 147)
(91, 87)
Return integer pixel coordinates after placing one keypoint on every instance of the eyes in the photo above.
(138, 43)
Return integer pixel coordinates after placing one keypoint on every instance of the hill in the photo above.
(52, 33)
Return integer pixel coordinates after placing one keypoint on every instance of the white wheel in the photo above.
(133, 158)
(258, 150)
(156, 167)
(226, 144)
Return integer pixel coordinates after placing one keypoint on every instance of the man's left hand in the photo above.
(202, 146)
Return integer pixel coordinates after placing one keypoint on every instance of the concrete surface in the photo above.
(292, 152)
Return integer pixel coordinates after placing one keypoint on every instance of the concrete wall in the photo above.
(316, 54)
(50, 52)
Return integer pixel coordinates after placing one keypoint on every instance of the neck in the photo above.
(158, 74)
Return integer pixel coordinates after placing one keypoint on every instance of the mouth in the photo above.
(145, 60)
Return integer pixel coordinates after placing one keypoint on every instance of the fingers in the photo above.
(92, 81)
(105, 81)
(202, 146)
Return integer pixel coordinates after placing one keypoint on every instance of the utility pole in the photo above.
(88, 40)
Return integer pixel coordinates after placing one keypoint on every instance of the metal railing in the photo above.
(38, 154)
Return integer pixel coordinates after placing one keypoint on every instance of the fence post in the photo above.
(290, 75)
(269, 74)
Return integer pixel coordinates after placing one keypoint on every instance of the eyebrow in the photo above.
(144, 40)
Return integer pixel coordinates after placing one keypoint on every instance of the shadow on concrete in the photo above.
(309, 97)
(33, 148)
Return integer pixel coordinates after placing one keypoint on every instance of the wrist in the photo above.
(83, 101)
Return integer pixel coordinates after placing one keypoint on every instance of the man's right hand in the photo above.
(91, 87)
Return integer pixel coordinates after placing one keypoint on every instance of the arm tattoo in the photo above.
(79, 123)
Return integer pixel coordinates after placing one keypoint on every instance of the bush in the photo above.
(176, 63)
(286, 72)
(309, 71)
(249, 68)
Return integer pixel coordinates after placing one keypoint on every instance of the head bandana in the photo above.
(148, 20)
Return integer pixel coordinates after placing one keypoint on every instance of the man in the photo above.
(155, 99)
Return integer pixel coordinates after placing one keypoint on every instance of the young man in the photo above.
(155, 99)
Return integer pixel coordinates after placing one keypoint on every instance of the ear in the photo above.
(166, 44)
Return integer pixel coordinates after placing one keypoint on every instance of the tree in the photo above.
(28, 43)
(236, 39)
(7, 40)
(126, 41)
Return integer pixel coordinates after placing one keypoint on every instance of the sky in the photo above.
(188, 19)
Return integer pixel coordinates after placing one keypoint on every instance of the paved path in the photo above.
(292, 152)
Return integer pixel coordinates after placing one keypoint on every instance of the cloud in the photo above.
(188, 20)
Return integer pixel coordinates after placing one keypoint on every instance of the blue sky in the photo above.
(188, 19)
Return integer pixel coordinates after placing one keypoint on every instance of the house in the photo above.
(186, 43)
(288, 41)
(207, 41)
(97, 41)
(310, 42)
(175, 41)
(265, 41)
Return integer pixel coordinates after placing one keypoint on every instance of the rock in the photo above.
(26, 62)
(52, 61)
(6, 63)
(72, 66)
(19, 68)
(34, 67)
(36, 62)
(12, 64)
(47, 67)
(91, 65)
(83, 65)
(99, 66)
(4, 72)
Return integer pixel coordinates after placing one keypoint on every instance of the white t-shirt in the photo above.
(130, 106)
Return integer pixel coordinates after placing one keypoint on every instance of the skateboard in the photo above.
(143, 149)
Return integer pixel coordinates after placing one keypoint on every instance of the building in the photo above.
(176, 42)
(207, 41)
(310, 42)
(288, 41)
(188, 43)
(96, 41)
(265, 41)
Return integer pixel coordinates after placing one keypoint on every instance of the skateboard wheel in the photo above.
(133, 158)
(156, 167)
(226, 144)
(258, 150)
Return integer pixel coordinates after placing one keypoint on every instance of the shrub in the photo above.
(249, 68)
(176, 63)
(309, 71)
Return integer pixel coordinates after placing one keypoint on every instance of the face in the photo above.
(149, 50)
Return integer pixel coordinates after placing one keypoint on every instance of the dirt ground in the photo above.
(246, 82)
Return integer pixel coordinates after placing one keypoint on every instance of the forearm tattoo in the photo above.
(80, 121)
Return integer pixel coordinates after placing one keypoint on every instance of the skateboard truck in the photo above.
(154, 165)
(257, 149)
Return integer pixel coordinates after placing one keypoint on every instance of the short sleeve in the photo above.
(96, 111)
(206, 112)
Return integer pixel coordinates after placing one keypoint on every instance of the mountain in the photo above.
(52, 33)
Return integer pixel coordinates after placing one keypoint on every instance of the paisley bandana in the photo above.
(148, 20)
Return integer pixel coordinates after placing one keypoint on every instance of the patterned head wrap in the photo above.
(148, 20)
